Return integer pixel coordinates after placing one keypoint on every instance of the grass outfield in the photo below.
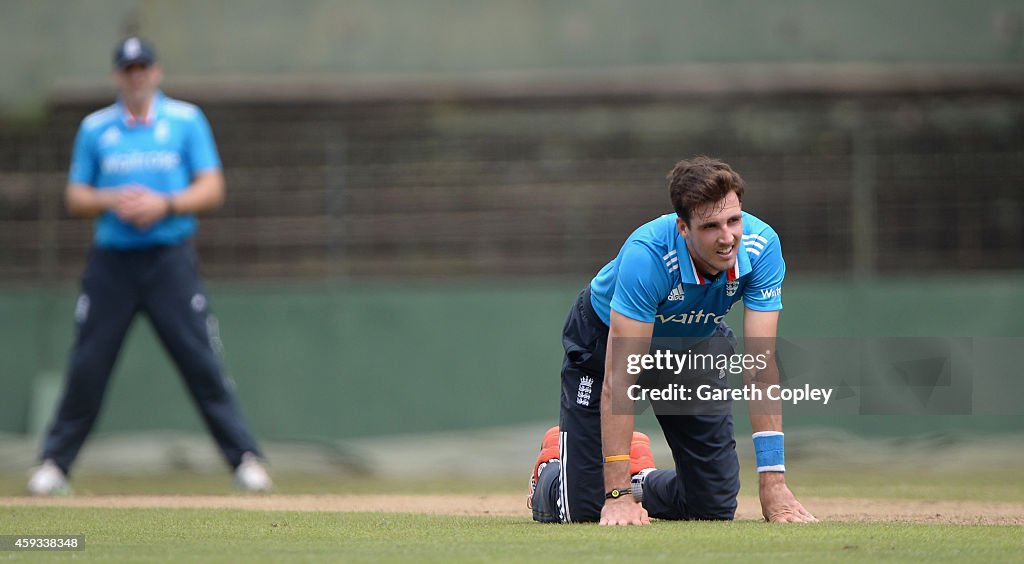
(133, 535)
(877, 509)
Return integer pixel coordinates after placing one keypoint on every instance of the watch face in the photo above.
(617, 493)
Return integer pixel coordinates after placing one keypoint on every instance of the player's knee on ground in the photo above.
(545, 496)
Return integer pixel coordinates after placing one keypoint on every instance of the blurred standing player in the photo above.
(675, 277)
(144, 166)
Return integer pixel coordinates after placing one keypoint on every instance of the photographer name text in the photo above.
(706, 392)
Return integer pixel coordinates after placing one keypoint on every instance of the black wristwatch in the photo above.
(618, 492)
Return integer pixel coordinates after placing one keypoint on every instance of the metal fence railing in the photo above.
(550, 187)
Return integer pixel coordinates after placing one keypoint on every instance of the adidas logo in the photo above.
(677, 294)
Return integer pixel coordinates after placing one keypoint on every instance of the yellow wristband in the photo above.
(616, 458)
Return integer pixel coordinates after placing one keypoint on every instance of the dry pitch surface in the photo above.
(829, 509)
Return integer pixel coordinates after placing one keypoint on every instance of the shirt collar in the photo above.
(692, 276)
(154, 110)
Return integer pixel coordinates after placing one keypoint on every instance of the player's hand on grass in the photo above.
(778, 504)
(141, 206)
(624, 511)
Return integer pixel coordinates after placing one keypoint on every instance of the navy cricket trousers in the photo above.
(705, 481)
(162, 282)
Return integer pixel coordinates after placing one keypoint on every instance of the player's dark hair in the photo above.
(701, 181)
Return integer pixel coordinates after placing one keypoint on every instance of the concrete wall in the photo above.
(44, 41)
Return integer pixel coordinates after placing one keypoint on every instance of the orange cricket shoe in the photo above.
(548, 452)
(640, 455)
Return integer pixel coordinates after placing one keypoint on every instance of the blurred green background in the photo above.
(418, 190)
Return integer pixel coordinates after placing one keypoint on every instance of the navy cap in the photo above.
(134, 51)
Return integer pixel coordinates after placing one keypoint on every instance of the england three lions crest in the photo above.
(731, 287)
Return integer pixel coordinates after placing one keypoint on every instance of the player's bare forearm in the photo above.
(83, 200)
(759, 332)
(205, 193)
(625, 337)
(765, 413)
(616, 434)
(778, 504)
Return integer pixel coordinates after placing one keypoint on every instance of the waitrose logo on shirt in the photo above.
(772, 293)
(140, 161)
(692, 317)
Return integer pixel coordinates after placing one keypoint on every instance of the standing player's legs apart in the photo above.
(177, 306)
(104, 311)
